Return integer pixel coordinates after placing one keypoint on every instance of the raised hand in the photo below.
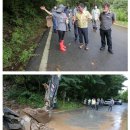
(43, 7)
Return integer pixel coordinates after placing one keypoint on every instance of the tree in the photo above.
(74, 87)
(120, 4)
(124, 96)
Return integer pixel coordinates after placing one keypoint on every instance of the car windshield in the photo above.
(108, 100)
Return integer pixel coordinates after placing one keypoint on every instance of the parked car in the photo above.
(118, 102)
(107, 102)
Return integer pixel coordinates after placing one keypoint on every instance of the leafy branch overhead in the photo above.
(76, 87)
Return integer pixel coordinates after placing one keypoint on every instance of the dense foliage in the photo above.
(121, 9)
(28, 89)
(80, 87)
(124, 96)
(23, 25)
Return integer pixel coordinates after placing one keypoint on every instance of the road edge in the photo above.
(120, 25)
(62, 111)
(44, 60)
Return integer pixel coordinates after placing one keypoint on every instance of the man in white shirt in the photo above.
(93, 103)
(95, 17)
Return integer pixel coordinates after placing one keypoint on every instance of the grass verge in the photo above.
(122, 23)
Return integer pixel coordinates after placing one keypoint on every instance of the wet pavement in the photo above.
(87, 119)
(34, 62)
(75, 59)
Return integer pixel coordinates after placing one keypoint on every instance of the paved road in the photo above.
(75, 59)
(87, 119)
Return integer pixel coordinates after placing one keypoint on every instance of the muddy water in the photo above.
(58, 123)
(124, 123)
(91, 120)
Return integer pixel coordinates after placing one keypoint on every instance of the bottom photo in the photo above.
(65, 102)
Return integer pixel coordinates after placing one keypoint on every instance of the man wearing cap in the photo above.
(82, 17)
(107, 18)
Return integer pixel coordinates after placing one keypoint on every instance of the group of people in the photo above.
(80, 19)
(96, 103)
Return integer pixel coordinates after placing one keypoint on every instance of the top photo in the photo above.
(65, 35)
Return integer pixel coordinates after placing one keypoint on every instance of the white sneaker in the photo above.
(81, 46)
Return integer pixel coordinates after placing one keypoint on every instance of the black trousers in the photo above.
(83, 33)
(106, 36)
(76, 30)
(61, 35)
(94, 23)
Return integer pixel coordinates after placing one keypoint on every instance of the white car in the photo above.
(107, 102)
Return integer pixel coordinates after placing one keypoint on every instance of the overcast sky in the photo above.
(125, 83)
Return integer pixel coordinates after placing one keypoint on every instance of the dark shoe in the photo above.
(102, 48)
(75, 39)
(110, 51)
(86, 48)
(55, 31)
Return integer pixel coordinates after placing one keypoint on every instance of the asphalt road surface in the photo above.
(75, 59)
(87, 119)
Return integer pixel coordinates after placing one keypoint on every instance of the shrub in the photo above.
(120, 7)
(13, 93)
(124, 96)
(7, 54)
(23, 23)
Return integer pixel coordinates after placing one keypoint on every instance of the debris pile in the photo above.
(29, 119)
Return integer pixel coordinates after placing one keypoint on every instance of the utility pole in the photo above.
(51, 91)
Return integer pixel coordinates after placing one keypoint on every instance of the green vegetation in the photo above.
(24, 24)
(23, 97)
(124, 96)
(28, 89)
(68, 105)
(122, 23)
(36, 100)
(120, 8)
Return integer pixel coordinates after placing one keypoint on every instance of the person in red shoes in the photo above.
(61, 20)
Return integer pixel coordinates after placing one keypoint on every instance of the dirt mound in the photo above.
(39, 115)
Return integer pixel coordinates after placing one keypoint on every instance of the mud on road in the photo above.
(88, 119)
